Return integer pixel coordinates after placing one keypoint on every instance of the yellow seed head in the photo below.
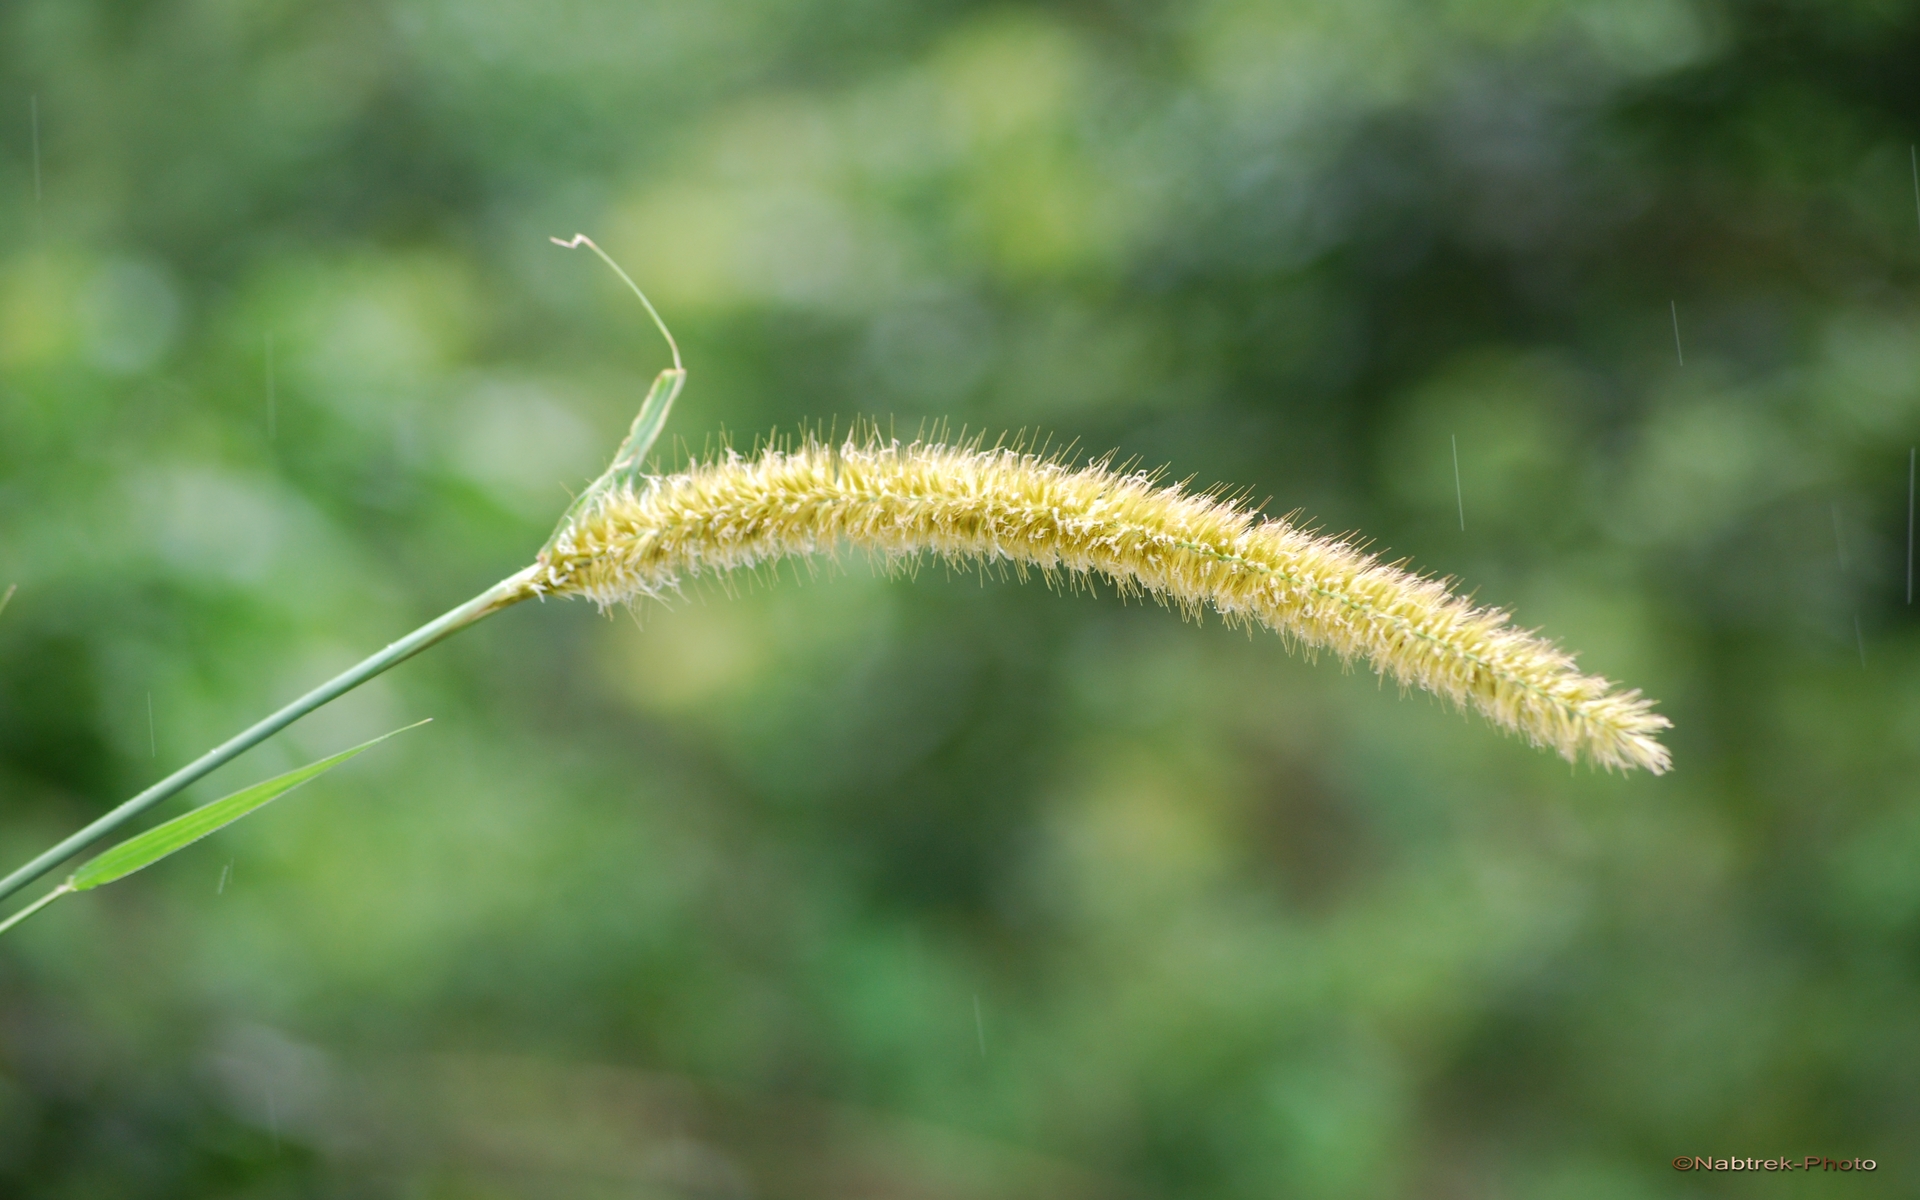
(967, 504)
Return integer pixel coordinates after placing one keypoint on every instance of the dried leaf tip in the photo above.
(968, 504)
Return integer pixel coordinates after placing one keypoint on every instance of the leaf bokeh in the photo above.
(946, 886)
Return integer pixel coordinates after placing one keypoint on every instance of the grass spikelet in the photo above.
(1001, 506)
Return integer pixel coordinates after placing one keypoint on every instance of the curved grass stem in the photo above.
(509, 591)
(624, 470)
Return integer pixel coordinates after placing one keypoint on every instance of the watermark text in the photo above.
(1812, 1162)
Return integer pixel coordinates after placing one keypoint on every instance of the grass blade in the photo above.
(647, 425)
(156, 843)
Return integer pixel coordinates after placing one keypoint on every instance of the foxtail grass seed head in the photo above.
(640, 537)
(632, 535)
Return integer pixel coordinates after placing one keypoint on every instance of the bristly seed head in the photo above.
(967, 504)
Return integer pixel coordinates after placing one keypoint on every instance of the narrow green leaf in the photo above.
(156, 843)
(648, 423)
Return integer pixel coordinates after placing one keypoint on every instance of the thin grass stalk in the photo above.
(507, 592)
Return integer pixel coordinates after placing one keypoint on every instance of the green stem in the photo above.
(508, 591)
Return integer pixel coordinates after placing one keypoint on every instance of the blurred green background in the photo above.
(852, 886)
